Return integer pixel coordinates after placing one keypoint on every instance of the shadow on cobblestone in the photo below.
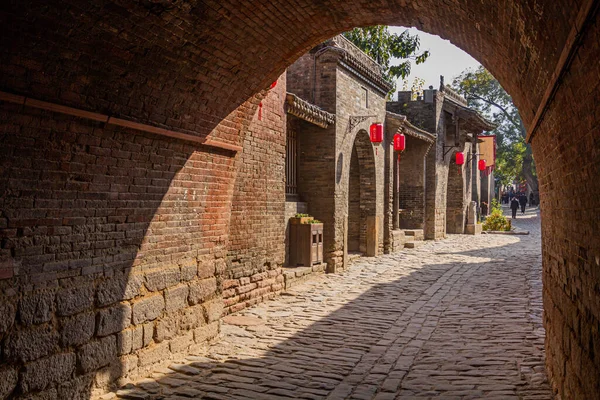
(452, 319)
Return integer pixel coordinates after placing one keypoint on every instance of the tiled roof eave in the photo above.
(307, 111)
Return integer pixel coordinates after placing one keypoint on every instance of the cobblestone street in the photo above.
(456, 319)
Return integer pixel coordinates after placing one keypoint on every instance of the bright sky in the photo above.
(445, 59)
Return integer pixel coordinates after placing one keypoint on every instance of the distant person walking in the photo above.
(514, 206)
(523, 202)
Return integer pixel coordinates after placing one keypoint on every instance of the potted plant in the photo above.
(301, 219)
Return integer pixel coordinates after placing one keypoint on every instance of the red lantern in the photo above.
(273, 85)
(399, 142)
(460, 158)
(481, 165)
(376, 134)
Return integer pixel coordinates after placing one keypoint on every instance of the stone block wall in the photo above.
(256, 248)
(398, 238)
(112, 251)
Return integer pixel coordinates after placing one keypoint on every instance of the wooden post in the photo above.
(372, 236)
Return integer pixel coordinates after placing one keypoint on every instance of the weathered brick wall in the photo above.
(256, 250)
(436, 183)
(566, 150)
(300, 77)
(325, 154)
(112, 251)
(351, 102)
(388, 188)
(428, 115)
(316, 146)
(355, 219)
(420, 113)
(412, 184)
(175, 61)
(459, 193)
(316, 167)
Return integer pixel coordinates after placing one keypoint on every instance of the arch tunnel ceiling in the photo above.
(188, 64)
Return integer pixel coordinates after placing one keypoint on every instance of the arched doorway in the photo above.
(456, 198)
(362, 233)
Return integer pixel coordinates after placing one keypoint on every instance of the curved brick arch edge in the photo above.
(183, 67)
(362, 192)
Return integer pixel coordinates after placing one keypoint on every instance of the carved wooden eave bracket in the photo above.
(307, 111)
(473, 120)
(399, 123)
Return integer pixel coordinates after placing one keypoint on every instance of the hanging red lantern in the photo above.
(481, 165)
(399, 142)
(273, 85)
(376, 134)
(460, 158)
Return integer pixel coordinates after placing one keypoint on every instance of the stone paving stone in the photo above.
(459, 318)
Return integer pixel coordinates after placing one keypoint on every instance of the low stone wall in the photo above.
(398, 240)
(295, 275)
(245, 291)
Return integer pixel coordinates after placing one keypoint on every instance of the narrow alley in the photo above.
(459, 318)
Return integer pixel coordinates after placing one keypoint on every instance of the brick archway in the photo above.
(362, 193)
(457, 199)
(187, 67)
(199, 55)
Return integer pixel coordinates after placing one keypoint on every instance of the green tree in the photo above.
(514, 157)
(384, 47)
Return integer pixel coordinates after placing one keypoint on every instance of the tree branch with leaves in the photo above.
(485, 94)
(384, 46)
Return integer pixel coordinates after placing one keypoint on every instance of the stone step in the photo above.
(413, 244)
(417, 234)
